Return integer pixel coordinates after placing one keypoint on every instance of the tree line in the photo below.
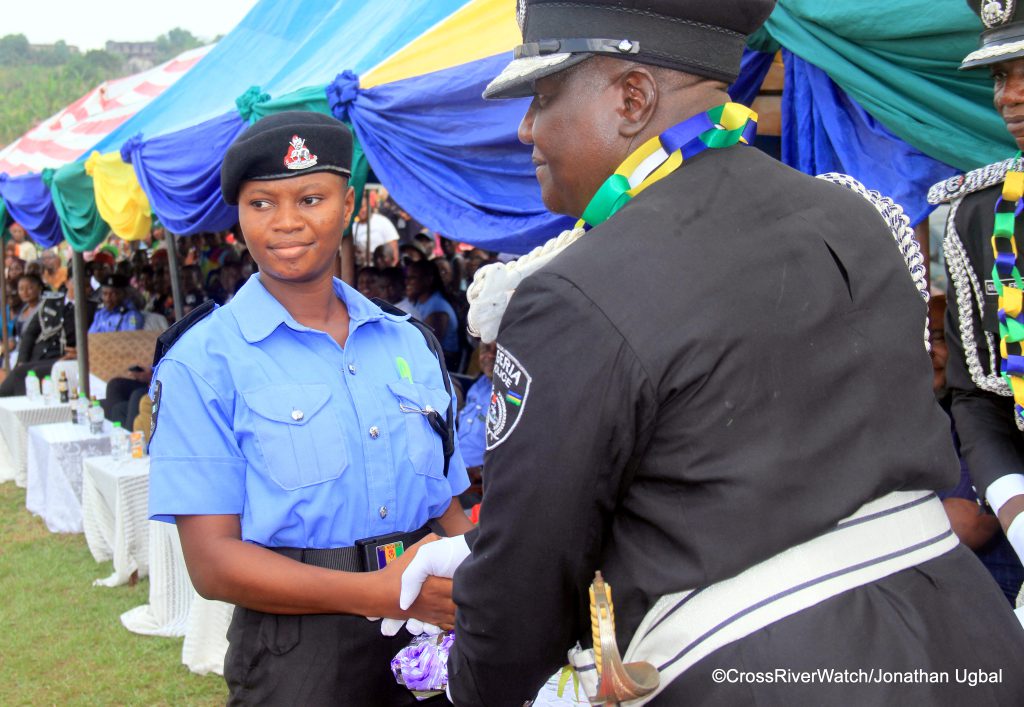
(36, 82)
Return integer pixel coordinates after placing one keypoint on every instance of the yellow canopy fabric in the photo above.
(478, 30)
(119, 197)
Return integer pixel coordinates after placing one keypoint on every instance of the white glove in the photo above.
(389, 627)
(1015, 534)
(417, 627)
(439, 559)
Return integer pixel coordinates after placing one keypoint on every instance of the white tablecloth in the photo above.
(174, 608)
(206, 636)
(115, 496)
(17, 414)
(170, 590)
(55, 454)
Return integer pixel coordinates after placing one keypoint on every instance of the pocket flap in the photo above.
(292, 403)
(420, 396)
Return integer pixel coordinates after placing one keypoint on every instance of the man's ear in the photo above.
(638, 92)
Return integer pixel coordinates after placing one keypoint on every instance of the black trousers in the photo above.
(122, 401)
(309, 660)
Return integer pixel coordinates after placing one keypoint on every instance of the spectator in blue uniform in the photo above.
(297, 441)
(473, 424)
(118, 312)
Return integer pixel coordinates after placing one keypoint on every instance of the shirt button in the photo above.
(352, 368)
(383, 512)
(374, 432)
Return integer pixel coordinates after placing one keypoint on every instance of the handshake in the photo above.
(430, 558)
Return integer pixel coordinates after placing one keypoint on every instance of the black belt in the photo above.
(367, 555)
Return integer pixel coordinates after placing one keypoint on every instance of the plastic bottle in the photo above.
(79, 408)
(138, 445)
(96, 418)
(62, 388)
(119, 442)
(32, 385)
(48, 390)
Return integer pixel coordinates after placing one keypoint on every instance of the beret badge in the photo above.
(298, 155)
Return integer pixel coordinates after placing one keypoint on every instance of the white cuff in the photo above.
(1003, 489)
(1015, 534)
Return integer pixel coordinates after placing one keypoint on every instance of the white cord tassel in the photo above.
(493, 285)
(902, 233)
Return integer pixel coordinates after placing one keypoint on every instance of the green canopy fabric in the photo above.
(899, 61)
(312, 98)
(75, 202)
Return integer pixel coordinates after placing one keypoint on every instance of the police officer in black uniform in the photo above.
(983, 405)
(726, 372)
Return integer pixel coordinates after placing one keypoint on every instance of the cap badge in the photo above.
(298, 156)
(996, 12)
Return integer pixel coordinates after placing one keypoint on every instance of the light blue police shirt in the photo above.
(312, 445)
(124, 318)
(473, 421)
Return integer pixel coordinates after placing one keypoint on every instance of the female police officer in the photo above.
(292, 424)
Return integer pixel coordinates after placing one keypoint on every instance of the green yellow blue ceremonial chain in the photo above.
(722, 126)
(1011, 298)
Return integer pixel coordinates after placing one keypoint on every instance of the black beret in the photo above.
(702, 37)
(283, 145)
(1003, 38)
(118, 281)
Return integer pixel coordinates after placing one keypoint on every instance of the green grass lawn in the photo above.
(61, 641)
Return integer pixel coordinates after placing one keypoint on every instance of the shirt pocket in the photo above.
(422, 443)
(298, 432)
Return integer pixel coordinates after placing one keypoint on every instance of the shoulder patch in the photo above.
(157, 390)
(508, 397)
(961, 185)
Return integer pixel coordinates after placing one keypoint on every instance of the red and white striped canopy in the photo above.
(64, 137)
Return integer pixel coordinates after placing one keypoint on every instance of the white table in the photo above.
(115, 517)
(54, 471)
(174, 608)
(17, 414)
(170, 590)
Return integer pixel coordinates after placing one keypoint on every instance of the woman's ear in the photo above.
(638, 100)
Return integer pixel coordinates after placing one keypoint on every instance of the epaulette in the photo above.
(961, 185)
(174, 332)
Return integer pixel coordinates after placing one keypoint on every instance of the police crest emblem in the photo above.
(511, 387)
(298, 155)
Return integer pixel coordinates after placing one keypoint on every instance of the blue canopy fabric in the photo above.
(29, 203)
(296, 44)
(754, 67)
(180, 174)
(828, 131)
(457, 163)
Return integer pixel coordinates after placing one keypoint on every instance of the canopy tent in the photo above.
(409, 84)
(57, 205)
(66, 135)
(879, 78)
